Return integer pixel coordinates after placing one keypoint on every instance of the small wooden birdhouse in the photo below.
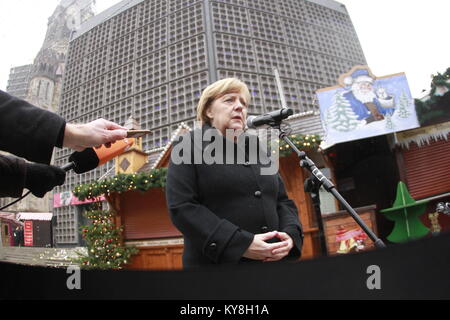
(134, 158)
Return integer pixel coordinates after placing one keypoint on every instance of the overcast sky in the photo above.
(396, 35)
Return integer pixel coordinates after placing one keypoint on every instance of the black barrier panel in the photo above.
(417, 270)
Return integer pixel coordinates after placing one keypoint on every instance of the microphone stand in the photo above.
(313, 187)
(318, 179)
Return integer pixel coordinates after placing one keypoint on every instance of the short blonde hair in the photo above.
(217, 90)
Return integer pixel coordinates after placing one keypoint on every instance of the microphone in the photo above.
(91, 158)
(270, 118)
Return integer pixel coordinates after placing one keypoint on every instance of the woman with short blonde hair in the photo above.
(227, 213)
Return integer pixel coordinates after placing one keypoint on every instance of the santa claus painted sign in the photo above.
(363, 106)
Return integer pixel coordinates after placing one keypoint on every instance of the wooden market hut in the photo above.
(423, 157)
(37, 228)
(423, 154)
(8, 223)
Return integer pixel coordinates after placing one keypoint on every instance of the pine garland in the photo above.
(424, 108)
(440, 80)
(103, 240)
(121, 183)
(302, 142)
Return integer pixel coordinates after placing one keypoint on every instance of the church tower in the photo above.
(48, 68)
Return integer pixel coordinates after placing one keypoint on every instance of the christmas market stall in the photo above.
(37, 228)
(380, 144)
(8, 224)
(423, 154)
(135, 230)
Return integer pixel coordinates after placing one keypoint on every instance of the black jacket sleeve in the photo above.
(289, 222)
(28, 131)
(219, 239)
(12, 175)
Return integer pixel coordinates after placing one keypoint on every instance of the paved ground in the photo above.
(49, 257)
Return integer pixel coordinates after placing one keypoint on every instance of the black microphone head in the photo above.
(250, 122)
(84, 161)
(286, 112)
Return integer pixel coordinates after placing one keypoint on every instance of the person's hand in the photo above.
(93, 134)
(41, 178)
(280, 253)
(259, 249)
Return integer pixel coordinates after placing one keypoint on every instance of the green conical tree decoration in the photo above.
(406, 214)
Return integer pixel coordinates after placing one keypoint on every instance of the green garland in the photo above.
(424, 109)
(103, 240)
(121, 183)
(303, 142)
(440, 80)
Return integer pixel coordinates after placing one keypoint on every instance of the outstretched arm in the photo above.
(32, 133)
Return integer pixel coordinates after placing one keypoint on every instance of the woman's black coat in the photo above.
(220, 207)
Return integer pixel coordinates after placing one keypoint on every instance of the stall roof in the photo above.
(8, 216)
(41, 216)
